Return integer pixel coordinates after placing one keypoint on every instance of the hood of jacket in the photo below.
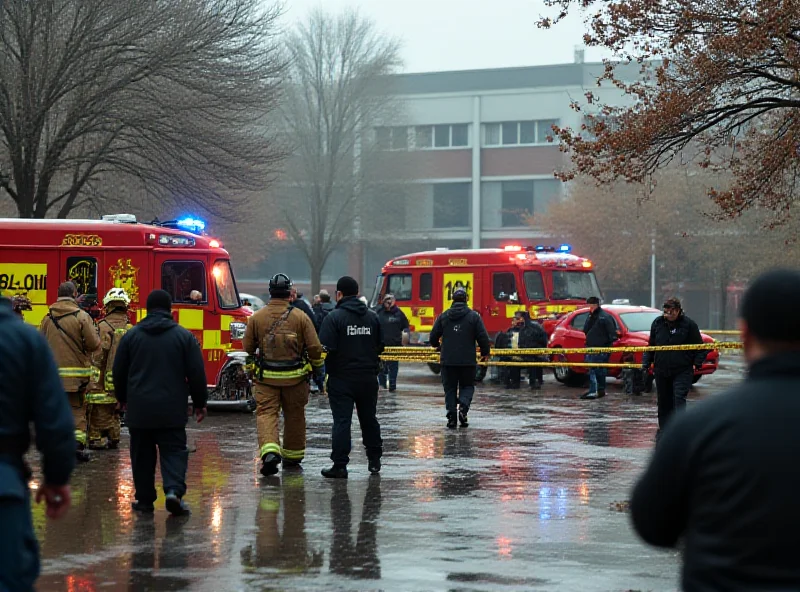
(64, 306)
(353, 304)
(329, 306)
(458, 310)
(157, 322)
(5, 307)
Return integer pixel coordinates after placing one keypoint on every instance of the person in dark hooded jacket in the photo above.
(456, 331)
(159, 365)
(352, 336)
(531, 336)
(394, 325)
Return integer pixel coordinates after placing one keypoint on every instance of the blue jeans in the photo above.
(390, 369)
(597, 376)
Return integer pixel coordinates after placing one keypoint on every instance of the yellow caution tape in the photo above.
(717, 345)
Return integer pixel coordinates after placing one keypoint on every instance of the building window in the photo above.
(391, 138)
(518, 133)
(517, 202)
(441, 136)
(451, 205)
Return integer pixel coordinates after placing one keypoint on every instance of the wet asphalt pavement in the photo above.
(526, 498)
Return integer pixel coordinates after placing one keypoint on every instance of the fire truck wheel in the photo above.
(435, 368)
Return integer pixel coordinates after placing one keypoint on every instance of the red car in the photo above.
(633, 328)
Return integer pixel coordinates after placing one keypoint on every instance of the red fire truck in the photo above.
(546, 281)
(117, 251)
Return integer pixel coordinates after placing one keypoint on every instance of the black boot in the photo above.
(462, 417)
(601, 393)
(176, 506)
(142, 508)
(374, 466)
(269, 464)
(451, 421)
(335, 472)
(81, 454)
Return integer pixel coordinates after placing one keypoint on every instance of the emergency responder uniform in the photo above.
(352, 337)
(73, 337)
(29, 392)
(104, 423)
(288, 351)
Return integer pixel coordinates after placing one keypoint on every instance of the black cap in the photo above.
(159, 300)
(592, 300)
(347, 286)
(460, 295)
(769, 306)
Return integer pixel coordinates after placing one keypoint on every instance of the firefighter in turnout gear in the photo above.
(287, 350)
(73, 338)
(104, 423)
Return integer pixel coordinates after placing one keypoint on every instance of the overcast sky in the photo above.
(464, 34)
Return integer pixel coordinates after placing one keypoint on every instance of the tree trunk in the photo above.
(316, 280)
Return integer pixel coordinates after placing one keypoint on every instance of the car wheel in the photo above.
(564, 375)
(435, 368)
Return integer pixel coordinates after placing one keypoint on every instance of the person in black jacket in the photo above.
(724, 475)
(158, 366)
(351, 334)
(393, 325)
(601, 331)
(532, 336)
(30, 392)
(673, 370)
(297, 302)
(456, 331)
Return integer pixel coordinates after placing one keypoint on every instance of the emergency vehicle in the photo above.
(117, 251)
(546, 281)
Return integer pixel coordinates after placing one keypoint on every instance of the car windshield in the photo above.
(574, 285)
(226, 287)
(376, 295)
(639, 321)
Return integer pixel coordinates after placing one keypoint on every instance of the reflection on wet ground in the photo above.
(519, 500)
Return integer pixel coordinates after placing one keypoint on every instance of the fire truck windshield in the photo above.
(574, 285)
(226, 288)
(376, 295)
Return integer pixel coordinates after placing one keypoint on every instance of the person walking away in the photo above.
(104, 422)
(352, 336)
(30, 392)
(532, 336)
(601, 331)
(455, 332)
(394, 326)
(724, 476)
(288, 350)
(73, 337)
(513, 373)
(673, 370)
(297, 301)
(157, 367)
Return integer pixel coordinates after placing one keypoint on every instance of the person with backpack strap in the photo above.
(288, 351)
(73, 337)
(104, 423)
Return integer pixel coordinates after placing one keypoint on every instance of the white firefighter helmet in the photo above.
(116, 295)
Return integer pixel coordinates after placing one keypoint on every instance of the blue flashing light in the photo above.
(564, 248)
(192, 224)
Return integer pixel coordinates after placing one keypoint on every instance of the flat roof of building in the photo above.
(557, 75)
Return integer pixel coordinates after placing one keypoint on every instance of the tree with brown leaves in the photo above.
(171, 97)
(719, 87)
